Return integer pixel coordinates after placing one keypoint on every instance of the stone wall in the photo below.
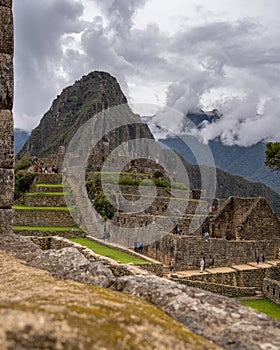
(44, 200)
(250, 278)
(245, 219)
(118, 269)
(6, 117)
(271, 289)
(38, 233)
(222, 289)
(188, 251)
(43, 218)
(51, 179)
(237, 282)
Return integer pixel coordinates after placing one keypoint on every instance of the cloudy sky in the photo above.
(186, 54)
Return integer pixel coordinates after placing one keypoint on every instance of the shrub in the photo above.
(23, 163)
(23, 182)
(161, 183)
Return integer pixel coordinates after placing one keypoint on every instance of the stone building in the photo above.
(6, 117)
(245, 219)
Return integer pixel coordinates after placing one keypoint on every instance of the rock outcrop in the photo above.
(38, 306)
(38, 311)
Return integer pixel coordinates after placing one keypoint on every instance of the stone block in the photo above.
(6, 81)
(6, 219)
(6, 30)
(6, 3)
(6, 188)
(6, 139)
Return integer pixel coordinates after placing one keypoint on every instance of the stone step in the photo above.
(47, 217)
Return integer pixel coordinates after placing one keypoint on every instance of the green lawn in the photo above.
(109, 252)
(46, 228)
(263, 305)
(25, 207)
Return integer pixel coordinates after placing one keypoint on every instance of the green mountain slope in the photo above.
(20, 138)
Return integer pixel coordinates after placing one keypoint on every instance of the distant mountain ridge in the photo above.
(247, 162)
(20, 138)
(98, 91)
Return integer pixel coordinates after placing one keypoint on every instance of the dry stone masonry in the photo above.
(6, 117)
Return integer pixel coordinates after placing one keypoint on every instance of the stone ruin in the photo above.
(6, 117)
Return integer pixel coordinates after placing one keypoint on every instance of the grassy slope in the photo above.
(109, 252)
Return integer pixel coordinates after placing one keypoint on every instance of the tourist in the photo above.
(206, 235)
(263, 258)
(212, 262)
(171, 265)
(258, 260)
(202, 265)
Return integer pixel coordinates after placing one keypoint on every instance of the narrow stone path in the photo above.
(225, 269)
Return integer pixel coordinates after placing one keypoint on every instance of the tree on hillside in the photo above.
(272, 154)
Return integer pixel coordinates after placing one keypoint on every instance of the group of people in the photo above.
(48, 170)
(179, 232)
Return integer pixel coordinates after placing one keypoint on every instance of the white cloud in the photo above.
(196, 53)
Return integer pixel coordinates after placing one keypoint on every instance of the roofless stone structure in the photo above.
(6, 117)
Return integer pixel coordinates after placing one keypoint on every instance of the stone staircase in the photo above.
(45, 212)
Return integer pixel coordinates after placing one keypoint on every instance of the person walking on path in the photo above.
(202, 265)
(171, 265)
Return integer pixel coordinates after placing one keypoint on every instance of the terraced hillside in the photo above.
(44, 212)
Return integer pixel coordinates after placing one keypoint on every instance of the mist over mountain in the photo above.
(247, 161)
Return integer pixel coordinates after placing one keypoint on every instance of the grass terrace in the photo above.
(263, 305)
(25, 207)
(109, 252)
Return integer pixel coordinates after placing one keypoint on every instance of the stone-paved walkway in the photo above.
(232, 268)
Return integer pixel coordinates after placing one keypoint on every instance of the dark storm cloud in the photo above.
(40, 30)
(237, 59)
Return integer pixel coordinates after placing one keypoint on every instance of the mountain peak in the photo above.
(76, 104)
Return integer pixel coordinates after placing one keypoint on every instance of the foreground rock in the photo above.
(69, 263)
(38, 311)
(223, 320)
